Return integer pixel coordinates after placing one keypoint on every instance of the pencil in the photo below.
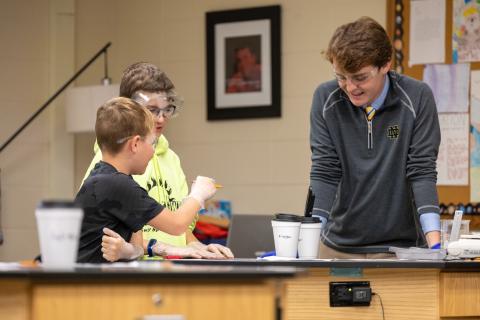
(217, 185)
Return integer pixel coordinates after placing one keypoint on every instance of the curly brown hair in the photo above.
(144, 76)
(359, 44)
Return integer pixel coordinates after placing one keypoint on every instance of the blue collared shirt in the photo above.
(377, 104)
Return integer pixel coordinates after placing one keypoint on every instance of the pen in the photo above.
(268, 254)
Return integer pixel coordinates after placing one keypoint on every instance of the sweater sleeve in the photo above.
(423, 152)
(326, 170)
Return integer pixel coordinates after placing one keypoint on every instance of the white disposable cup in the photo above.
(58, 226)
(308, 240)
(285, 235)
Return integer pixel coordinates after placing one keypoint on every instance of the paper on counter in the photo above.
(275, 258)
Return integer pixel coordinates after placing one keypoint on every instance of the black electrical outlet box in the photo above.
(352, 293)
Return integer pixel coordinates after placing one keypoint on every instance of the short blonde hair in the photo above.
(121, 118)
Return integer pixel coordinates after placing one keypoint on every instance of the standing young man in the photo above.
(374, 138)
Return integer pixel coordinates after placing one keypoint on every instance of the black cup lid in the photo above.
(287, 217)
(49, 204)
(310, 220)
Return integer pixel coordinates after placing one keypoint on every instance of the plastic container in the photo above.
(446, 230)
(414, 253)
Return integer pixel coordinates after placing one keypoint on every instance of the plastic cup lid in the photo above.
(310, 220)
(48, 204)
(287, 217)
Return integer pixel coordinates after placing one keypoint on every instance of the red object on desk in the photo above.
(205, 230)
(172, 257)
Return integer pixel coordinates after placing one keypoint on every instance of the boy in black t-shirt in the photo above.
(114, 203)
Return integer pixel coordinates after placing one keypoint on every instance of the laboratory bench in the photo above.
(408, 289)
(141, 290)
(240, 289)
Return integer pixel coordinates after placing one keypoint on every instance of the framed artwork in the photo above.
(243, 63)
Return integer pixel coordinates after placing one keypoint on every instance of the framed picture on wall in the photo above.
(243, 63)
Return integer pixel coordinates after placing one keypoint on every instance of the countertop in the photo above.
(450, 265)
(146, 270)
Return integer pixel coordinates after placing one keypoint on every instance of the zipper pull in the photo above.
(370, 138)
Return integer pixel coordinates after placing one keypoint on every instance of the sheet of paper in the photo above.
(427, 31)
(452, 162)
(449, 83)
(475, 136)
(466, 31)
(10, 266)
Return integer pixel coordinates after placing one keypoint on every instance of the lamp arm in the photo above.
(54, 96)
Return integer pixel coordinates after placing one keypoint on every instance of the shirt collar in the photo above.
(378, 103)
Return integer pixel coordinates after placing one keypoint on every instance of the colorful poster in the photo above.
(466, 30)
(452, 162)
(449, 83)
(475, 137)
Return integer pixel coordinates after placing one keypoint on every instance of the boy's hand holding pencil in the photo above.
(203, 188)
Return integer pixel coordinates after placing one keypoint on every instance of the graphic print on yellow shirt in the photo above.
(165, 182)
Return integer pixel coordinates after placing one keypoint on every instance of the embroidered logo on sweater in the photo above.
(393, 132)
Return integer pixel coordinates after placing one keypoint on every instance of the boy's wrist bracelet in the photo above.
(436, 246)
(150, 245)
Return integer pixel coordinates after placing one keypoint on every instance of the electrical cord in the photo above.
(381, 303)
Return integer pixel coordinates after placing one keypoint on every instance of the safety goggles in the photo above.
(153, 141)
(160, 104)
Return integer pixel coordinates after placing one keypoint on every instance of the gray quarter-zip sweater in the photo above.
(373, 180)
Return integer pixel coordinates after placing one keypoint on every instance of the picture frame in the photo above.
(244, 63)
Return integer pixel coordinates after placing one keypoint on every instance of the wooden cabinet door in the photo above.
(14, 300)
(460, 294)
(193, 300)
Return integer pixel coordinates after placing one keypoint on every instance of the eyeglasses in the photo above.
(356, 79)
(167, 112)
(122, 140)
(160, 104)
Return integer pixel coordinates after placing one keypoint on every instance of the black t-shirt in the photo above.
(114, 200)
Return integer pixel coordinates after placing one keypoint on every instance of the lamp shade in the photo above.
(82, 104)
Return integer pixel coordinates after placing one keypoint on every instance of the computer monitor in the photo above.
(250, 235)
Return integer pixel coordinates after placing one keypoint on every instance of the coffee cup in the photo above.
(286, 228)
(309, 238)
(58, 224)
